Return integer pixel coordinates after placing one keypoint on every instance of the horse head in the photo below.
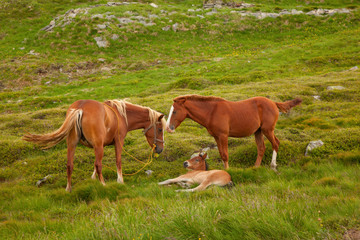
(197, 163)
(177, 114)
(155, 134)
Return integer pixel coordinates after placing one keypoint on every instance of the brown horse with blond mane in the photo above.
(199, 174)
(96, 124)
(224, 119)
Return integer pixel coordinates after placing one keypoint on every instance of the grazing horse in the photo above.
(96, 124)
(200, 175)
(225, 119)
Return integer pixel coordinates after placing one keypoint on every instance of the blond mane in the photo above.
(121, 107)
(195, 97)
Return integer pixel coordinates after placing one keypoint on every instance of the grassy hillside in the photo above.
(173, 49)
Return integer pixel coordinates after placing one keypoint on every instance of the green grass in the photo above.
(312, 197)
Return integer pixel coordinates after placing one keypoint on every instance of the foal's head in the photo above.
(197, 163)
(177, 114)
(155, 134)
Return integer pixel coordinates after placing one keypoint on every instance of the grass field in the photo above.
(223, 54)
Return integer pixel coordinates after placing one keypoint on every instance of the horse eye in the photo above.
(174, 112)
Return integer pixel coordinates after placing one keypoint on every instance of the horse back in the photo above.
(99, 123)
(217, 177)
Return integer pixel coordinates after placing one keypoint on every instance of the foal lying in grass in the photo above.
(198, 174)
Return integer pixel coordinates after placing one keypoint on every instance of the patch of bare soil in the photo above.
(352, 234)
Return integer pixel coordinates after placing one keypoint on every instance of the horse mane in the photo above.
(200, 98)
(121, 107)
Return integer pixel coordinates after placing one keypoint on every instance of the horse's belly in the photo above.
(242, 132)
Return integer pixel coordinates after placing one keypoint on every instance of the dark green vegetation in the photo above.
(223, 55)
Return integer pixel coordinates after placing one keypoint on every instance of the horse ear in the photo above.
(160, 117)
(180, 100)
(204, 155)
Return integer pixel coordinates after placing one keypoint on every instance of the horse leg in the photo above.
(175, 180)
(201, 187)
(99, 153)
(93, 176)
(275, 146)
(259, 139)
(72, 140)
(118, 150)
(222, 143)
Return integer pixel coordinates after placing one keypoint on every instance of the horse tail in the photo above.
(45, 141)
(286, 106)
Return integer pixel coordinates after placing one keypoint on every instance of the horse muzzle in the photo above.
(170, 128)
(186, 164)
(158, 150)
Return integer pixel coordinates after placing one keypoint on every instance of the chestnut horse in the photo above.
(96, 124)
(225, 119)
(200, 175)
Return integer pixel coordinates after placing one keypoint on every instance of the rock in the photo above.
(354, 68)
(42, 181)
(49, 27)
(172, 13)
(335, 88)
(147, 24)
(296, 12)
(210, 13)
(102, 43)
(101, 16)
(125, 20)
(175, 27)
(105, 69)
(101, 59)
(32, 52)
(139, 18)
(312, 145)
(273, 15)
(205, 149)
(129, 13)
(115, 37)
(191, 10)
(110, 17)
(218, 59)
(153, 16)
(200, 16)
(22, 48)
(167, 28)
(149, 172)
(154, 5)
(101, 26)
(316, 97)
(343, 10)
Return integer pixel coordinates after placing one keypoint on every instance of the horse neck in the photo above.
(138, 117)
(199, 111)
